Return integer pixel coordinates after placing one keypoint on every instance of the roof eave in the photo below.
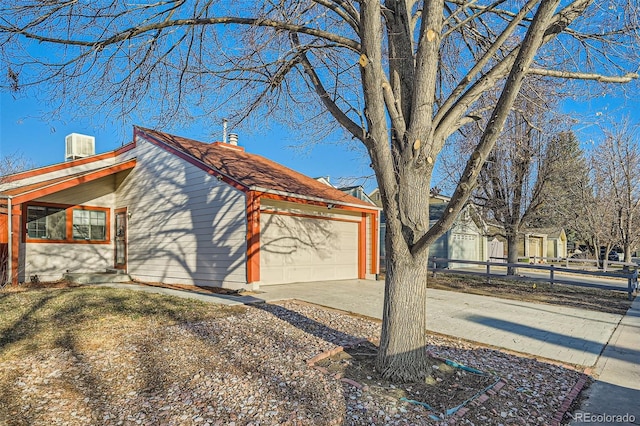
(70, 181)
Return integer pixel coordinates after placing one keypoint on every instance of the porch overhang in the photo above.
(30, 192)
(11, 211)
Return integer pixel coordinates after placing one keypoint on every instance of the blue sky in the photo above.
(23, 131)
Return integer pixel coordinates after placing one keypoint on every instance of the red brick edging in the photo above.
(573, 394)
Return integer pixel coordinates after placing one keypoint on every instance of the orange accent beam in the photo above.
(362, 247)
(4, 229)
(16, 225)
(253, 237)
(66, 184)
(4, 248)
(374, 243)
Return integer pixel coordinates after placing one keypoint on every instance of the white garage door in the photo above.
(303, 249)
(463, 247)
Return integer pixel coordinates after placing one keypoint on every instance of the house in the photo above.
(465, 240)
(556, 243)
(358, 192)
(533, 242)
(354, 190)
(544, 242)
(169, 209)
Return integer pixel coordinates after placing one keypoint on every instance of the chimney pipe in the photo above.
(233, 139)
(224, 130)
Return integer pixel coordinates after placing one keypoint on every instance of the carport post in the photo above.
(9, 265)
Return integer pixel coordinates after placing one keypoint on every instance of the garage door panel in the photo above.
(464, 247)
(302, 249)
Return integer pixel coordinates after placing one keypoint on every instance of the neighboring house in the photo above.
(325, 180)
(169, 209)
(464, 241)
(538, 243)
(358, 192)
(532, 243)
(557, 243)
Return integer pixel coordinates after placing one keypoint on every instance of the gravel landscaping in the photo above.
(164, 361)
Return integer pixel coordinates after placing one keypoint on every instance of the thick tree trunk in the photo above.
(402, 354)
(512, 252)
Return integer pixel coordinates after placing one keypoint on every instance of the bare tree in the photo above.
(617, 164)
(512, 180)
(596, 220)
(400, 76)
(13, 163)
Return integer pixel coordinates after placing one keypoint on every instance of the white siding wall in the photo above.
(51, 261)
(98, 193)
(185, 226)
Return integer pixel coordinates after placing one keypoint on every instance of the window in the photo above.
(46, 222)
(89, 225)
(59, 223)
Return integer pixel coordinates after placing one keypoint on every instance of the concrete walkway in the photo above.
(614, 398)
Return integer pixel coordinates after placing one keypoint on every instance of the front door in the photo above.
(121, 239)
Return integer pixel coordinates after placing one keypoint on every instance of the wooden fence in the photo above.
(629, 272)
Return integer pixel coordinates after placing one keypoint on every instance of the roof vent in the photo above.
(79, 146)
(233, 139)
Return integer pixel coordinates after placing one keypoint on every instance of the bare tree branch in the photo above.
(584, 76)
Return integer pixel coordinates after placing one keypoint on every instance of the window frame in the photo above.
(46, 229)
(68, 225)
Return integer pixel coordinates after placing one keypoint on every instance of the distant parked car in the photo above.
(581, 255)
(612, 257)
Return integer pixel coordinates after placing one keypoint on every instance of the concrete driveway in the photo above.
(565, 334)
